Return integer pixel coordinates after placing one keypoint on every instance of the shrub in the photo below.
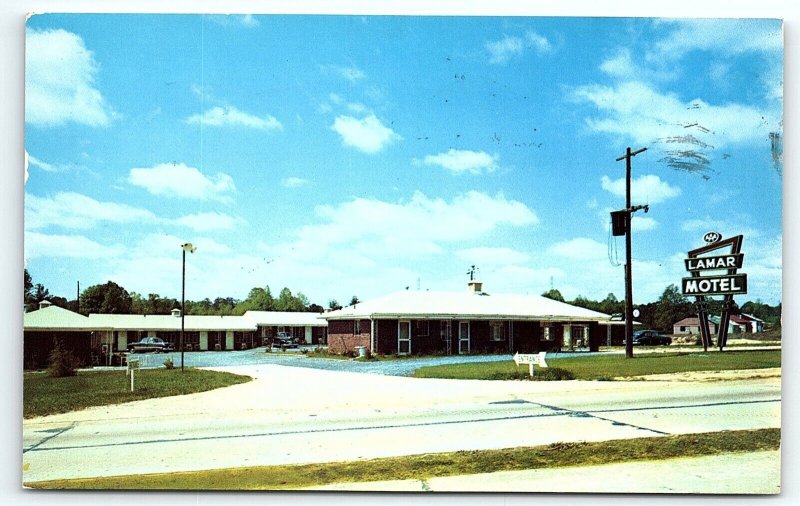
(539, 374)
(169, 364)
(61, 362)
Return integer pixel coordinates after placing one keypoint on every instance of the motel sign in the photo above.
(715, 275)
(715, 285)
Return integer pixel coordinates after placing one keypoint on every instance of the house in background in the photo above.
(756, 324)
(691, 326)
(736, 325)
(472, 321)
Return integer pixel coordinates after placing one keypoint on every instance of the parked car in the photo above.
(651, 338)
(284, 340)
(154, 344)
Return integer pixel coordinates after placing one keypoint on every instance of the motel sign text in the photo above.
(726, 281)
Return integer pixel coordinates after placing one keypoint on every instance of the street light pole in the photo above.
(190, 248)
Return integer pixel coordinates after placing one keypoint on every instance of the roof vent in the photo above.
(474, 286)
(176, 313)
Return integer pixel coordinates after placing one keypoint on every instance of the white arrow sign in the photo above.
(531, 359)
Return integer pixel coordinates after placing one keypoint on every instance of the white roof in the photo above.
(288, 319)
(54, 317)
(428, 304)
(169, 322)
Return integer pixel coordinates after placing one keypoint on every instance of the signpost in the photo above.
(531, 359)
(132, 366)
(727, 285)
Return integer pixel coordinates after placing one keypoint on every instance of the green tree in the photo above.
(553, 294)
(611, 305)
(671, 307)
(28, 294)
(107, 298)
(333, 305)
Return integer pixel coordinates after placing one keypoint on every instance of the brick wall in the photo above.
(343, 339)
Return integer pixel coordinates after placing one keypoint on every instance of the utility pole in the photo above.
(628, 275)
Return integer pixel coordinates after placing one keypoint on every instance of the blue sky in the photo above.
(353, 155)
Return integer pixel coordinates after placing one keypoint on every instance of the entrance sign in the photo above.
(531, 359)
(715, 285)
(728, 284)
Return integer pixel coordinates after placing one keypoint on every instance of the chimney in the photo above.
(176, 313)
(474, 286)
(45, 303)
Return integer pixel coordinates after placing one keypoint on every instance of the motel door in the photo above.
(403, 338)
(463, 337)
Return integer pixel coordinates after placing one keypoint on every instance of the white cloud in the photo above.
(180, 180)
(73, 210)
(648, 189)
(460, 161)
(229, 115)
(293, 182)
(501, 51)
(635, 110)
(582, 248)
(619, 65)
(208, 221)
(357, 107)
(349, 72)
(60, 83)
(38, 245)
(493, 255)
(707, 224)
(368, 134)
(729, 36)
(417, 227)
(643, 224)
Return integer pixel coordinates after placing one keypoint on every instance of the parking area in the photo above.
(296, 358)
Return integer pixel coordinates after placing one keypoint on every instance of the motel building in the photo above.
(93, 338)
(473, 321)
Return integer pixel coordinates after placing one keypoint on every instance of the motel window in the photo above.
(498, 330)
(421, 328)
(683, 329)
(547, 333)
(356, 327)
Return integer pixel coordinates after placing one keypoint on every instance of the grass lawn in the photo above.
(438, 464)
(43, 395)
(594, 367)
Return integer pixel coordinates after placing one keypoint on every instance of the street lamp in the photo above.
(191, 249)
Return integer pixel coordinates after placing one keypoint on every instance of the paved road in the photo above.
(297, 415)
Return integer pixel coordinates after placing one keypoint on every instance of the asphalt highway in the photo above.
(299, 415)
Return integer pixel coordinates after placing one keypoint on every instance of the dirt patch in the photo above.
(709, 376)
